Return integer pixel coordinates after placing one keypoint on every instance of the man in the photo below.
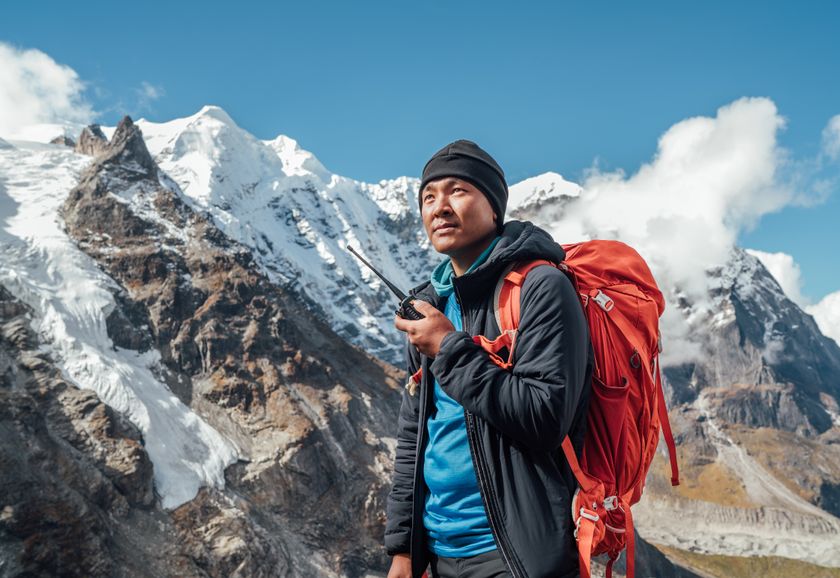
(481, 488)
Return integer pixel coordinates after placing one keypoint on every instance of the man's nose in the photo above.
(441, 206)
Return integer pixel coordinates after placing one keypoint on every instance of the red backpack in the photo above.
(622, 304)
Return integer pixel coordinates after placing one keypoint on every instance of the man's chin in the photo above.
(445, 246)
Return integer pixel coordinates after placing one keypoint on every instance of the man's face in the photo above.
(456, 215)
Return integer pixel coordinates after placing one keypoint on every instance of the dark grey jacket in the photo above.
(515, 420)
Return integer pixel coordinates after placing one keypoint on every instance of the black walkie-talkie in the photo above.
(406, 310)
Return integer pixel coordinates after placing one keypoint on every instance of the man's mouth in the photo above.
(443, 227)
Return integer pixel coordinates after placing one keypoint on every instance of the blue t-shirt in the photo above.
(454, 517)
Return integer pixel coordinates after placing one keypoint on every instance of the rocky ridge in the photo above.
(311, 415)
(77, 483)
(298, 218)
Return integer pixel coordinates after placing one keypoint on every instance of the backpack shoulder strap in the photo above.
(506, 311)
(506, 298)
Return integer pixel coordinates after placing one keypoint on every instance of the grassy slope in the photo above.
(716, 566)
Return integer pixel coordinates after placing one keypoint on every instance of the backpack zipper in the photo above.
(482, 475)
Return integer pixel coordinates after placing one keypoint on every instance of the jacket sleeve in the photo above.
(401, 496)
(535, 403)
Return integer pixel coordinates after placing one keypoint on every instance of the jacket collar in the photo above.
(444, 274)
(519, 241)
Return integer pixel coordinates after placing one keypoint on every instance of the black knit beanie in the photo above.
(466, 160)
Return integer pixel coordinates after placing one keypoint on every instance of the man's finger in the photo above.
(422, 306)
(400, 323)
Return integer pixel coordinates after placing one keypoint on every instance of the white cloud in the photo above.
(34, 88)
(831, 138)
(710, 179)
(147, 94)
(786, 271)
(827, 315)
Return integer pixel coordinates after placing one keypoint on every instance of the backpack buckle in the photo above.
(603, 300)
(610, 502)
(589, 515)
(584, 513)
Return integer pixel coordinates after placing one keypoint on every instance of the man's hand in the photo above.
(400, 566)
(425, 334)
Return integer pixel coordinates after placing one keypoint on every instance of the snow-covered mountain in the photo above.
(538, 193)
(245, 437)
(71, 299)
(195, 279)
(757, 423)
(299, 218)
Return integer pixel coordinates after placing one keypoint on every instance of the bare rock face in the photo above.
(92, 141)
(63, 140)
(218, 537)
(762, 405)
(75, 480)
(758, 337)
(314, 416)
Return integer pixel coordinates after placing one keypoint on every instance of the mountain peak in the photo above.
(127, 145)
(538, 189)
(297, 160)
(92, 140)
(215, 112)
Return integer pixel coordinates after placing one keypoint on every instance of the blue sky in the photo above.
(374, 88)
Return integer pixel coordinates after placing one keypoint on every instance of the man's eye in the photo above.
(427, 197)
(458, 189)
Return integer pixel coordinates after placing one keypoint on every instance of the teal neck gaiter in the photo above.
(443, 273)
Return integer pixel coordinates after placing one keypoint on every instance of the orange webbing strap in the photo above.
(608, 571)
(414, 382)
(587, 484)
(629, 542)
(586, 532)
(492, 347)
(665, 423)
(630, 539)
(585, 526)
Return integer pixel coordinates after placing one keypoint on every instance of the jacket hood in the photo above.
(520, 241)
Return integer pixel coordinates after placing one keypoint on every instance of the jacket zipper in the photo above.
(418, 477)
(483, 485)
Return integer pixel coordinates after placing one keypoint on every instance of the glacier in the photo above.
(71, 299)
